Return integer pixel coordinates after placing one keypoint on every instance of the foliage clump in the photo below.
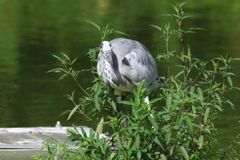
(180, 123)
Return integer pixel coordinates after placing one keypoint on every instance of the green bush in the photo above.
(180, 123)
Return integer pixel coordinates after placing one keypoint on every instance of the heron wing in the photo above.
(135, 62)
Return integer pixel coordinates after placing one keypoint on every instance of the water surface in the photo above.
(31, 31)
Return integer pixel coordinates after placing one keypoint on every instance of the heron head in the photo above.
(106, 50)
(108, 56)
(105, 46)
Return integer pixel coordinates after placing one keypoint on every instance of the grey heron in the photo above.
(123, 64)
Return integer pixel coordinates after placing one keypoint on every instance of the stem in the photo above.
(184, 63)
(91, 69)
(197, 76)
(68, 72)
(81, 111)
(230, 146)
(168, 64)
(221, 93)
(81, 87)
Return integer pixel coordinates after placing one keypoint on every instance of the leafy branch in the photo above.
(105, 30)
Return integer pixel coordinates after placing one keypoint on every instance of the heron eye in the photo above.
(101, 50)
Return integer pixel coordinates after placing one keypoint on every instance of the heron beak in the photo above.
(108, 55)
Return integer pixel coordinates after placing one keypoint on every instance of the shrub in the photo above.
(180, 123)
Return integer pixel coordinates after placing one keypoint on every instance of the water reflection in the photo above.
(31, 31)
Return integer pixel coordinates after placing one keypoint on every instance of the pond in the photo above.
(31, 31)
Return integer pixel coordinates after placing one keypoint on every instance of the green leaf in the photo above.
(206, 114)
(156, 140)
(180, 120)
(175, 16)
(82, 131)
(197, 28)
(183, 3)
(180, 73)
(229, 102)
(200, 142)
(73, 61)
(91, 134)
(155, 100)
(169, 102)
(172, 150)
(189, 125)
(189, 32)
(62, 77)
(122, 33)
(218, 107)
(137, 142)
(66, 56)
(192, 89)
(73, 111)
(191, 114)
(65, 112)
(193, 109)
(200, 93)
(119, 142)
(128, 103)
(168, 136)
(56, 57)
(139, 154)
(96, 98)
(57, 70)
(218, 98)
(94, 24)
(114, 106)
(207, 130)
(129, 142)
(186, 17)
(229, 81)
(136, 112)
(163, 157)
(184, 152)
(157, 27)
(229, 74)
(153, 122)
(99, 128)
(234, 59)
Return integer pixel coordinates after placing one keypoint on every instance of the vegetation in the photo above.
(183, 108)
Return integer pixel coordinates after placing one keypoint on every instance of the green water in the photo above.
(31, 31)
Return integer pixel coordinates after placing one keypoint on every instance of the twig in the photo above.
(230, 146)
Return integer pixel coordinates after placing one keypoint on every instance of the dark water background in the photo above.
(31, 31)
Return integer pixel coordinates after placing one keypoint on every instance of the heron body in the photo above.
(124, 63)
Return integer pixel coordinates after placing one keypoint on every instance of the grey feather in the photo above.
(124, 63)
